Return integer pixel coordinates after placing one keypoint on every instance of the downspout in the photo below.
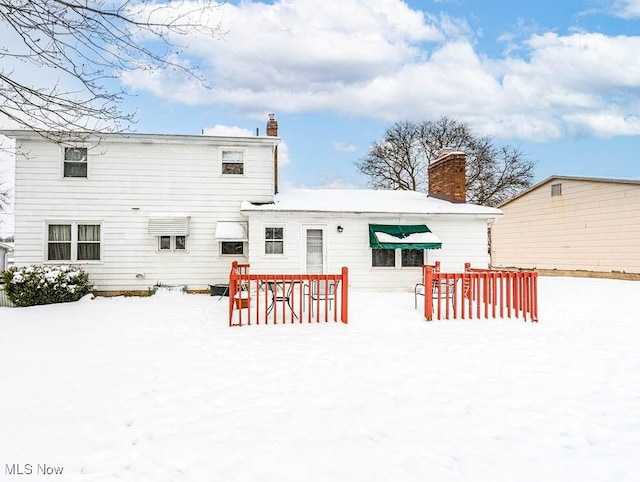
(275, 169)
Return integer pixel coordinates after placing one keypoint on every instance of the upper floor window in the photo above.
(556, 189)
(233, 162)
(75, 162)
(73, 242)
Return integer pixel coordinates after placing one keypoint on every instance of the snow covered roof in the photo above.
(365, 201)
(24, 134)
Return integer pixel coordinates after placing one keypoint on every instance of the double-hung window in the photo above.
(75, 162)
(88, 242)
(232, 161)
(73, 242)
(273, 240)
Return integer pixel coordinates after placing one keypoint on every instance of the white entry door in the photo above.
(315, 250)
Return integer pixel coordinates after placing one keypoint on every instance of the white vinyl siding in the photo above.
(464, 239)
(130, 181)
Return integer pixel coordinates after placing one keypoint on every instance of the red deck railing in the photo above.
(480, 293)
(286, 298)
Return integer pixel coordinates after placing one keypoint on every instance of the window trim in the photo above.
(63, 160)
(74, 241)
(402, 265)
(172, 243)
(226, 255)
(264, 240)
(222, 150)
(397, 260)
(556, 189)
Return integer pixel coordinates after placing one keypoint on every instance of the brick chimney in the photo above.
(447, 176)
(272, 126)
(272, 130)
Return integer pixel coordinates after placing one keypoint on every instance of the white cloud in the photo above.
(380, 58)
(227, 131)
(343, 147)
(627, 8)
(605, 124)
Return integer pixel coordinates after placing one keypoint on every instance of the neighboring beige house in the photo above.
(571, 224)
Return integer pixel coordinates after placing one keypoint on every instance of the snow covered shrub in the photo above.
(42, 285)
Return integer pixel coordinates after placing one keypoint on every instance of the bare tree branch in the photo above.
(90, 45)
(400, 160)
(4, 197)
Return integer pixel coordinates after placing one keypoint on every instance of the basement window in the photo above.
(556, 189)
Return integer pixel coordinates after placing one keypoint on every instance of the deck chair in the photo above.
(280, 293)
(320, 290)
(447, 291)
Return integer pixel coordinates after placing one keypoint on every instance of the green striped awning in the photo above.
(402, 236)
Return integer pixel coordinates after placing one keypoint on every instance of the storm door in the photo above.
(315, 250)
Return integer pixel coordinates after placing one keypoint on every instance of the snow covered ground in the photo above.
(159, 389)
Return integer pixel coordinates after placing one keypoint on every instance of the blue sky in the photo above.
(558, 79)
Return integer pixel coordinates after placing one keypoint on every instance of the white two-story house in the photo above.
(137, 210)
